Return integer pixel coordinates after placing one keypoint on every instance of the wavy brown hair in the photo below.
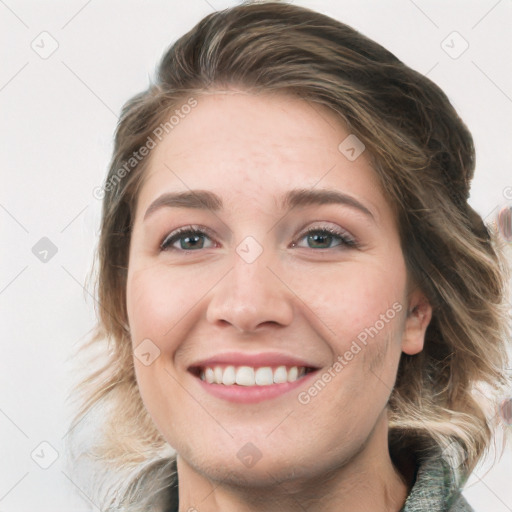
(424, 158)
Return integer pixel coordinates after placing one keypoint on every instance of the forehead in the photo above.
(257, 145)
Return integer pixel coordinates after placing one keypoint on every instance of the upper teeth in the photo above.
(248, 376)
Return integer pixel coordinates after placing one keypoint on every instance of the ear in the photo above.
(419, 314)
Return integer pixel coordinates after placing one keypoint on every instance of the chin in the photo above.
(243, 465)
(264, 474)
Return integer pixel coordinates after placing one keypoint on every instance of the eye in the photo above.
(323, 237)
(189, 238)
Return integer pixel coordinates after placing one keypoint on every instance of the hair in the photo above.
(424, 158)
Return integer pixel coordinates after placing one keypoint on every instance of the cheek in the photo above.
(353, 301)
(159, 298)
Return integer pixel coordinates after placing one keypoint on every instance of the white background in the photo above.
(57, 120)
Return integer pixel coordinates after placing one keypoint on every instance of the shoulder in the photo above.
(461, 505)
(437, 488)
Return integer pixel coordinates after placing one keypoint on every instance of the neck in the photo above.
(367, 481)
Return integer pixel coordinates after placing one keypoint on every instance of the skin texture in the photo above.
(330, 454)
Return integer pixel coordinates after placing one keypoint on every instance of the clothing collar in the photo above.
(437, 487)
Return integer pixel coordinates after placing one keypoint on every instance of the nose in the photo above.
(251, 296)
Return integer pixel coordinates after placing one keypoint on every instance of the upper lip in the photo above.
(255, 360)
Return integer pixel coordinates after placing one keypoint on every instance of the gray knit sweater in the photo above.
(436, 489)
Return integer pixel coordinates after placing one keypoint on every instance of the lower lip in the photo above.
(253, 394)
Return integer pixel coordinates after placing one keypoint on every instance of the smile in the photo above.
(251, 376)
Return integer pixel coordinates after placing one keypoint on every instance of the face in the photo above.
(263, 254)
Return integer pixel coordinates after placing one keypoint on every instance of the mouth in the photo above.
(249, 376)
(250, 379)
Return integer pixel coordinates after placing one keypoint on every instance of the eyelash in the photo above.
(166, 244)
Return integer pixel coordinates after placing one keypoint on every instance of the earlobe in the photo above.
(419, 314)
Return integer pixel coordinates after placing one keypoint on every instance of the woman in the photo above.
(298, 298)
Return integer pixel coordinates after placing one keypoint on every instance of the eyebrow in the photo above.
(205, 200)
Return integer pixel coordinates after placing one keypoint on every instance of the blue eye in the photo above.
(190, 238)
(322, 238)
